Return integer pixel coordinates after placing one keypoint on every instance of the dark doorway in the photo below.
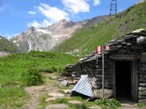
(123, 79)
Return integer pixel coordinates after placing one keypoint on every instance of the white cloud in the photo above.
(76, 6)
(53, 14)
(96, 2)
(31, 12)
(36, 24)
(46, 23)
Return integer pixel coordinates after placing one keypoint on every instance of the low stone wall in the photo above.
(96, 80)
(142, 80)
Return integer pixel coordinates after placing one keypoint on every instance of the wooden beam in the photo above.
(114, 79)
(122, 57)
(134, 81)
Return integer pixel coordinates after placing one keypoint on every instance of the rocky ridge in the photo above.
(44, 39)
(141, 1)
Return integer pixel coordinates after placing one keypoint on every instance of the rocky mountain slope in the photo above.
(141, 1)
(44, 39)
(95, 21)
(85, 40)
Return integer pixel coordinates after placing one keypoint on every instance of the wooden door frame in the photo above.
(134, 80)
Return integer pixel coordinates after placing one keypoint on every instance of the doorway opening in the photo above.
(123, 80)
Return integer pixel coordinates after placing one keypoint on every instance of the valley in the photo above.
(29, 61)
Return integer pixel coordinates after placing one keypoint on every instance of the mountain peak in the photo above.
(44, 39)
(63, 21)
(32, 28)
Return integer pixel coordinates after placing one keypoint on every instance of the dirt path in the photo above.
(36, 91)
(51, 89)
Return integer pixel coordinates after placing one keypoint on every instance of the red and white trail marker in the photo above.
(99, 49)
(107, 47)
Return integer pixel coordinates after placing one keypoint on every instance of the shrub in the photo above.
(140, 104)
(108, 104)
(54, 69)
(32, 77)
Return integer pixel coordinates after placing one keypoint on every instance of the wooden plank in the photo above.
(134, 81)
(122, 57)
(114, 79)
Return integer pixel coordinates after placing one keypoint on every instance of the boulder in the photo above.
(56, 95)
(107, 93)
(75, 102)
(64, 83)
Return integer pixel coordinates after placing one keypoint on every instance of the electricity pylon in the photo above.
(113, 7)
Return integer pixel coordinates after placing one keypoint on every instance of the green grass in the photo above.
(108, 103)
(60, 101)
(86, 39)
(7, 46)
(15, 66)
(140, 104)
(12, 97)
(72, 106)
(42, 100)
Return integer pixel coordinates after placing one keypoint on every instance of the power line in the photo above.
(113, 7)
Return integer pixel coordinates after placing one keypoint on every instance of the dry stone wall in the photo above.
(142, 80)
(131, 47)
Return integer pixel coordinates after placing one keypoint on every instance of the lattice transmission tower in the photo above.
(113, 7)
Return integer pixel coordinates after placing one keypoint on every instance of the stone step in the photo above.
(75, 102)
(57, 106)
(56, 95)
(50, 99)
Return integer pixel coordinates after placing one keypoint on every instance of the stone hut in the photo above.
(124, 68)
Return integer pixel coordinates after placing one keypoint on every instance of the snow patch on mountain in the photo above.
(44, 39)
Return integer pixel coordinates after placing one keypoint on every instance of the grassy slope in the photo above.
(13, 66)
(7, 46)
(87, 39)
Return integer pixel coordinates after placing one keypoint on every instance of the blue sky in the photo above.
(17, 16)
